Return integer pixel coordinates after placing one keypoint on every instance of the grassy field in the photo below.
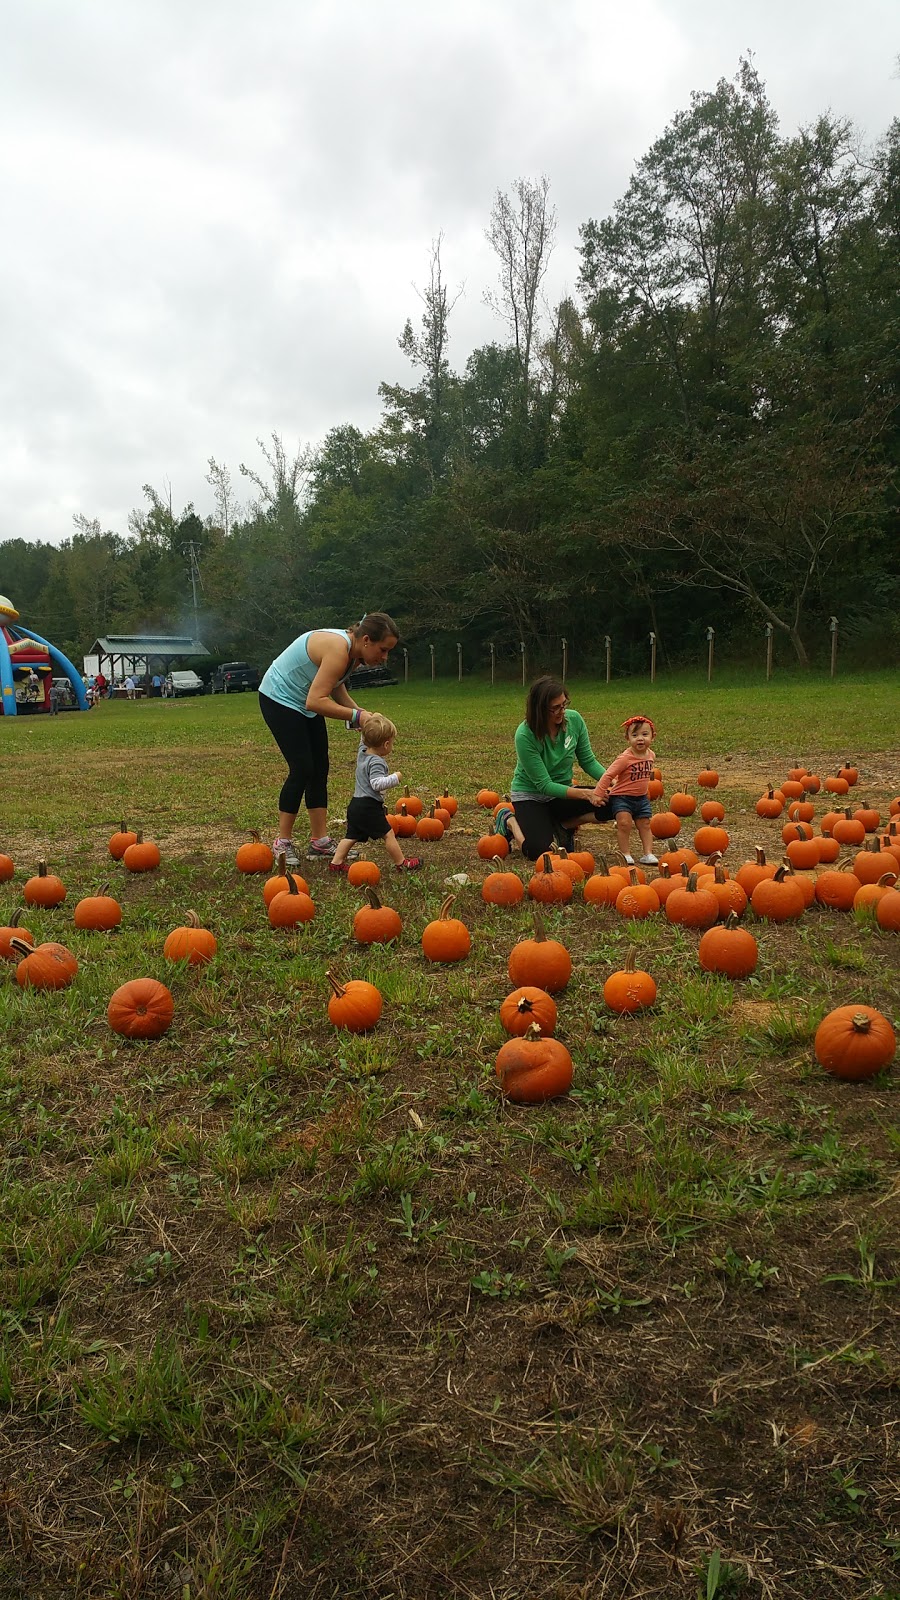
(286, 1312)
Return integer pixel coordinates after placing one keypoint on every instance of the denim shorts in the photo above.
(637, 804)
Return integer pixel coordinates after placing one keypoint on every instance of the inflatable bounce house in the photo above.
(28, 665)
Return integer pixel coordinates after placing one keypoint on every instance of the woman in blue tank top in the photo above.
(303, 686)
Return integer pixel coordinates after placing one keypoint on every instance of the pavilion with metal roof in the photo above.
(142, 654)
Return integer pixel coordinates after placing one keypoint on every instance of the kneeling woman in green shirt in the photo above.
(548, 743)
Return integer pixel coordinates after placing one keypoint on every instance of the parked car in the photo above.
(184, 683)
(66, 701)
(233, 677)
(371, 678)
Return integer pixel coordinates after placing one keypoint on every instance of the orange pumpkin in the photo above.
(869, 817)
(192, 943)
(376, 923)
(837, 889)
(290, 907)
(141, 1009)
(525, 1006)
(491, 845)
(413, 804)
(801, 811)
(778, 899)
(533, 1069)
(753, 872)
(637, 900)
(603, 888)
(540, 962)
(683, 805)
(402, 822)
(429, 828)
(803, 854)
(98, 912)
(854, 1042)
(812, 783)
(43, 966)
(487, 797)
(710, 840)
(731, 898)
(13, 931)
(120, 841)
(708, 778)
(665, 825)
(45, 889)
(7, 868)
(847, 830)
(254, 856)
(867, 898)
(447, 801)
(836, 785)
(729, 949)
(356, 1005)
(872, 861)
(502, 888)
(712, 811)
(629, 989)
(144, 856)
(655, 789)
(850, 773)
(363, 871)
(279, 883)
(446, 938)
(887, 912)
(548, 884)
(692, 906)
(770, 804)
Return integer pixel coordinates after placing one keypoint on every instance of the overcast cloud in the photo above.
(214, 213)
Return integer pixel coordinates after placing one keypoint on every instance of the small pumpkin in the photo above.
(683, 804)
(363, 871)
(446, 938)
(629, 989)
(502, 888)
(803, 854)
(141, 1009)
(602, 888)
(566, 863)
(796, 829)
(837, 889)
(541, 962)
(792, 789)
(413, 804)
(710, 840)
(402, 822)
(376, 923)
(655, 789)
(848, 830)
(712, 811)
(279, 883)
(144, 856)
(729, 949)
(850, 773)
(871, 861)
(355, 1005)
(429, 827)
(869, 817)
(867, 898)
(192, 943)
(770, 804)
(548, 883)
(120, 841)
(525, 1006)
(778, 899)
(254, 856)
(637, 900)
(448, 802)
(534, 1068)
(7, 868)
(887, 912)
(444, 817)
(98, 912)
(487, 797)
(854, 1042)
(43, 966)
(753, 872)
(290, 907)
(732, 899)
(692, 906)
(13, 931)
(708, 778)
(492, 845)
(584, 859)
(44, 889)
(836, 785)
(801, 811)
(665, 824)
(812, 783)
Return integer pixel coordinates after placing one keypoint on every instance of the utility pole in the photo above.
(196, 579)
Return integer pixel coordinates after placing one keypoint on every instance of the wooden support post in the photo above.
(459, 661)
(833, 626)
(522, 648)
(405, 665)
(493, 650)
(770, 633)
(711, 636)
(565, 659)
(608, 643)
(653, 658)
(431, 648)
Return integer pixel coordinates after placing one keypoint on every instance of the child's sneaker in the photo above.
(338, 866)
(411, 864)
(628, 860)
(321, 849)
(288, 849)
(649, 861)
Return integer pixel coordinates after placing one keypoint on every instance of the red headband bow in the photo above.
(629, 720)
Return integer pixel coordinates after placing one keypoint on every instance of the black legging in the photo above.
(539, 819)
(303, 741)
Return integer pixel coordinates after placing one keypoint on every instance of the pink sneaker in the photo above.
(411, 864)
(339, 866)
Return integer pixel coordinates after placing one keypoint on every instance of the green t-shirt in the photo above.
(544, 766)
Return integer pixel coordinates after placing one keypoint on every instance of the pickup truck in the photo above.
(233, 677)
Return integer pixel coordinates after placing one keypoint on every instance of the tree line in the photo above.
(707, 434)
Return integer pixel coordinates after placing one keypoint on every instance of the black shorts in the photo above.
(366, 819)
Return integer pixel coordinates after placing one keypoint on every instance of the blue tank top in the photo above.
(289, 679)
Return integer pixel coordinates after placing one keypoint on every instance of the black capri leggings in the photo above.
(539, 819)
(303, 741)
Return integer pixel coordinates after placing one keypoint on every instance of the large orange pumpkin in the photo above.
(45, 889)
(728, 949)
(141, 1009)
(144, 856)
(192, 943)
(290, 907)
(376, 923)
(629, 989)
(541, 962)
(854, 1042)
(446, 938)
(355, 1005)
(13, 931)
(98, 912)
(525, 1006)
(533, 1069)
(44, 966)
(254, 856)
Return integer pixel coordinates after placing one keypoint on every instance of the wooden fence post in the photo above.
(522, 648)
(833, 626)
(405, 665)
(770, 631)
(608, 642)
(431, 648)
(653, 658)
(711, 636)
(459, 659)
(493, 650)
(565, 654)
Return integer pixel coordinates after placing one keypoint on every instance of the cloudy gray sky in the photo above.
(214, 213)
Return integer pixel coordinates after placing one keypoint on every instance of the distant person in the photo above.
(548, 743)
(304, 686)
(130, 686)
(624, 786)
(55, 696)
(33, 685)
(155, 686)
(99, 685)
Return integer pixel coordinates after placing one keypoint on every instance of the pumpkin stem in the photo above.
(373, 899)
(540, 931)
(21, 946)
(534, 1032)
(191, 919)
(546, 864)
(629, 961)
(42, 869)
(861, 1023)
(281, 865)
(445, 907)
(719, 873)
(760, 855)
(524, 1005)
(731, 921)
(338, 987)
(499, 861)
(14, 919)
(253, 833)
(692, 883)
(291, 883)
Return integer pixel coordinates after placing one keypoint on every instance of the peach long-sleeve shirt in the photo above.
(628, 774)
